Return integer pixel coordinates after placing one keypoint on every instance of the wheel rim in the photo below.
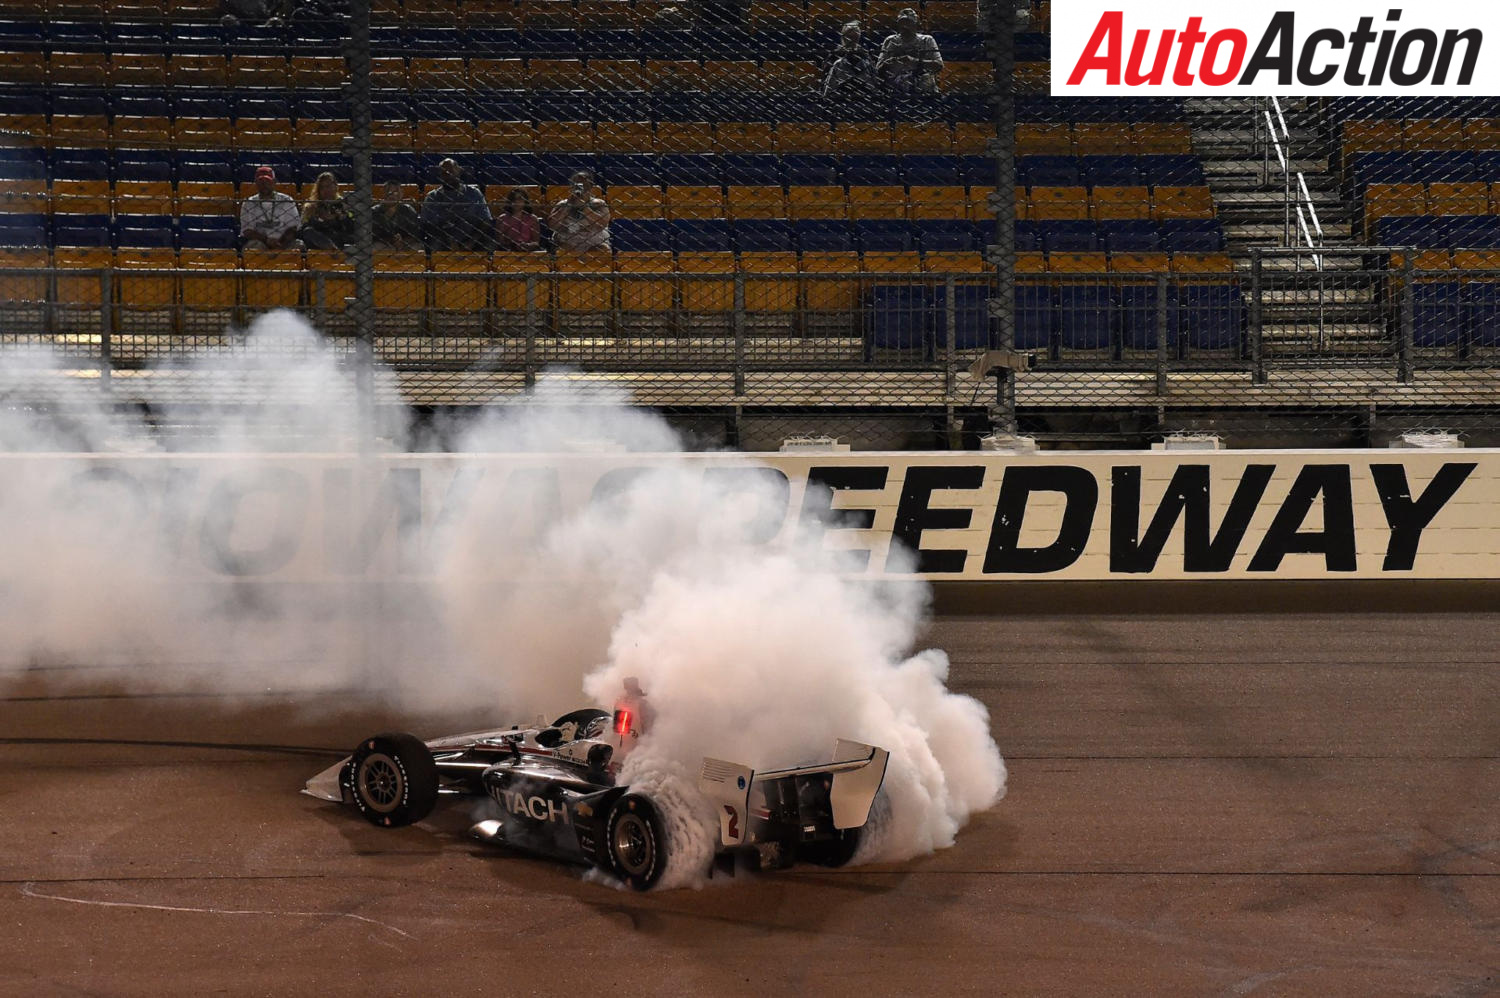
(381, 783)
(633, 847)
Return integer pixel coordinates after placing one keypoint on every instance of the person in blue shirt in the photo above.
(454, 214)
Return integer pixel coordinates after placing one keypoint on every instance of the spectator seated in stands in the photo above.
(580, 221)
(850, 69)
(327, 222)
(517, 228)
(268, 218)
(396, 225)
(909, 61)
(454, 214)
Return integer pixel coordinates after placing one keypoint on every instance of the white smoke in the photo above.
(751, 648)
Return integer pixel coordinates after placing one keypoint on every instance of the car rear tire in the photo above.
(834, 852)
(635, 842)
(393, 779)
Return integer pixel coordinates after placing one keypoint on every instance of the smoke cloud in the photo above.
(749, 643)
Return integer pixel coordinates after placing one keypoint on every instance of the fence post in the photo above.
(320, 301)
(106, 326)
(362, 202)
(1257, 345)
(1406, 325)
(1000, 24)
(739, 333)
(528, 364)
(950, 319)
(1161, 335)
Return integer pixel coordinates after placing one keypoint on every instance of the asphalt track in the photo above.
(1200, 804)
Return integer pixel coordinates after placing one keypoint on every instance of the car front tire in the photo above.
(393, 779)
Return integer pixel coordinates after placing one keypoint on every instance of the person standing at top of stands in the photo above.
(327, 222)
(454, 214)
(850, 70)
(517, 228)
(580, 221)
(268, 218)
(396, 223)
(909, 61)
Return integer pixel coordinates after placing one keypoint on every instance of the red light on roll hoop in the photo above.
(622, 722)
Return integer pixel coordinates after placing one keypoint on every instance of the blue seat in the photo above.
(24, 163)
(689, 170)
(23, 36)
(1443, 166)
(1035, 310)
(1069, 236)
(947, 234)
(1172, 171)
(141, 164)
(1028, 237)
(632, 234)
(262, 106)
(208, 231)
(823, 235)
(717, 42)
(433, 41)
(638, 169)
(206, 166)
(76, 103)
(76, 36)
(1480, 301)
(18, 229)
(971, 318)
(884, 236)
(1419, 231)
(929, 171)
(1437, 314)
(702, 235)
(1382, 168)
(313, 163)
(1137, 306)
(81, 230)
(518, 168)
(189, 37)
(500, 105)
(751, 169)
(80, 164)
(810, 170)
(144, 230)
(966, 46)
(872, 171)
(1208, 316)
(389, 166)
(1130, 235)
(250, 38)
(189, 105)
(140, 105)
(1111, 171)
(549, 42)
(1085, 316)
(497, 43)
(618, 43)
(1192, 235)
(976, 170)
(1474, 231)
(764, 235)
(1044, 171)
(897, 317)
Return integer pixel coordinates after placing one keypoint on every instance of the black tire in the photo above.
(834, 852)
(393, 780)
(635, 843)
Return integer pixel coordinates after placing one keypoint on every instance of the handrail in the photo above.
(1297, 198)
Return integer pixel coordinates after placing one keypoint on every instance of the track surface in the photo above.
(1200, 805)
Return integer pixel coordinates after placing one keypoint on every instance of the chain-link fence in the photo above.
(764, 217)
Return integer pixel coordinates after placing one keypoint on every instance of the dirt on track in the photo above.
(1206, 804)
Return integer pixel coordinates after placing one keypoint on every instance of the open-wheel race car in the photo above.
(557, 793)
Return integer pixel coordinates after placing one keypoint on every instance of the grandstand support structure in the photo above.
(999, 18)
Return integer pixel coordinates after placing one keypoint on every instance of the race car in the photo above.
(557, 793)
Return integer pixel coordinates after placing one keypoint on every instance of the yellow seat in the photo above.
(627, 201)
(694, 202)
(821, 292)
(128, 69)
(617, 74)
(890, 263)
(779, 76)
(1096, 264)
(388, 72)
(547, 13)
(934, 139)
(1122, 202)
(730, 75)
(618, 15)
(129, 131)
(78, 131)
(674, 74)
(777, 15)
(969, 77)
(319, 72)
(585, 294)
(460, 294)
(684, 136)
(323, 135)
(24, 124)
(1458, 199)
(948, 15)
(937, 202)
(88, 69)
(1205, 264)
(202, 133)
(1181, 202)
(26, 67)
(776, 290)
(1482, 133)
(555, 74)
(198, 71)
(880, 17)
(17, 289)
(259, 71)
(1032, 77)
(1139, 263)
(262, 133)
(505, 136)
(799, 137)
(745, 136)
(877, 202)
(623, 136)
(565, 136)
(862, 137)
(147, 292)
(80, 291)
(400, 280)
(143, 197)
(387, 133)
(972, 138)
(1488, 260)
(1373, 136)
(979, 204)
(445, 136)
(816, 202)
(25, 196)
(1433, 134)
(1104, 139)
(497, 74)
(712, 288)
(1031, 263)
(330, 280)
(272, 279)
(511, 273)
(645, 294)
(209, 281)
(205, 197)
(490, 14)
(80, 197)
(763, 201)
(954, 262)
(440, 73)
(1059, 203)
(1156, 138)
(431, 13)
(825, 15)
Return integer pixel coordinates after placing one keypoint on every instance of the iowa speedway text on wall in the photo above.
(1087, 516)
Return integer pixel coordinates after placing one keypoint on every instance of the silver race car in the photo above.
(557, 793)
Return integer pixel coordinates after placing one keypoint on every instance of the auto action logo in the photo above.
(1325, 49)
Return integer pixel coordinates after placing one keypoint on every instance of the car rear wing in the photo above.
(857, 769)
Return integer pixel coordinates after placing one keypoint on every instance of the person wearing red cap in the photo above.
(268, 218)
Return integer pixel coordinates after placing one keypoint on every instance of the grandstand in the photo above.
(771, 251)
